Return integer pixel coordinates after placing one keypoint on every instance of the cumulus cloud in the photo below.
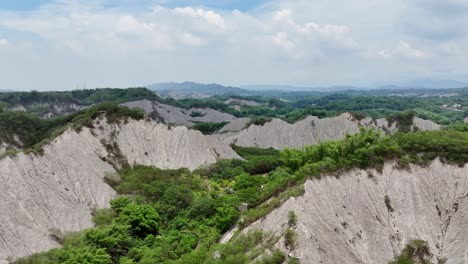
(405, 50)
(209, 16)
(128, 24)
(338, 36)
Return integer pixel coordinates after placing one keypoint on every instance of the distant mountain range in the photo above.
(301, 88)
(426, 84)
(198, 90)
(415, 84)
(195, 90)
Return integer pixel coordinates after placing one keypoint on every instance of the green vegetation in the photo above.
(370, 149)
(258, 160)
(375, 104)
(201, 103)
(178, 216)
(290, 239)
(292, 219)
(258, 121)
(196, 114)
(163, 216)
(24, 130)
(208, 128)
(258, 99)
(251, 152)
(80, 97)
(403, 120)
(416, 252)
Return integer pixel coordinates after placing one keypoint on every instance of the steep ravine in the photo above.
(347, 219)
(45, 194)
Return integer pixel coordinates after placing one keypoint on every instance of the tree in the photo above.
(225, 217)
(115, 239)
(143, 219)
(84, 255)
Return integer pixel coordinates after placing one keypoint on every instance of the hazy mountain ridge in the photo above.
(195, 90)
(199, 90)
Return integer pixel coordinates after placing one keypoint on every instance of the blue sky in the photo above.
(21, 5)
(64, 44)
(218, 4)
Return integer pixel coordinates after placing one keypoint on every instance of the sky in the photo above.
(69, 44)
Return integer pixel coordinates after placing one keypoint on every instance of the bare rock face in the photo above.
(155, 144)
(422, 124)
(53, 109)
(235, 126)
(364, 217)
(279, 134)
(174, 115)
(44, 195)
(241, 102)
(210, 115)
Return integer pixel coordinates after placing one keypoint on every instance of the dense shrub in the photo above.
(416, 252)
(208, 128)
(32, 130)
(80, 97)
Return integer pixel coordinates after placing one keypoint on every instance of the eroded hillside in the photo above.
(279, 134)
(44, 195)
(369, 216)
(175, 115)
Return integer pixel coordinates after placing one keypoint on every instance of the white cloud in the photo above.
(128, 24)
(192, 40)
(405, 50)
(336, 36)
(298, 42)
(283, 15)
(281, 39)
(151, 33)
(209, 16)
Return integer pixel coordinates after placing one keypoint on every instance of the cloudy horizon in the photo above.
(65, 44)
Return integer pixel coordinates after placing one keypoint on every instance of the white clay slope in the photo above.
(57, 191)
(175, 115)
(53, 191)
(155, 144)
(241, 102)
(346, 219)
(279, 134)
